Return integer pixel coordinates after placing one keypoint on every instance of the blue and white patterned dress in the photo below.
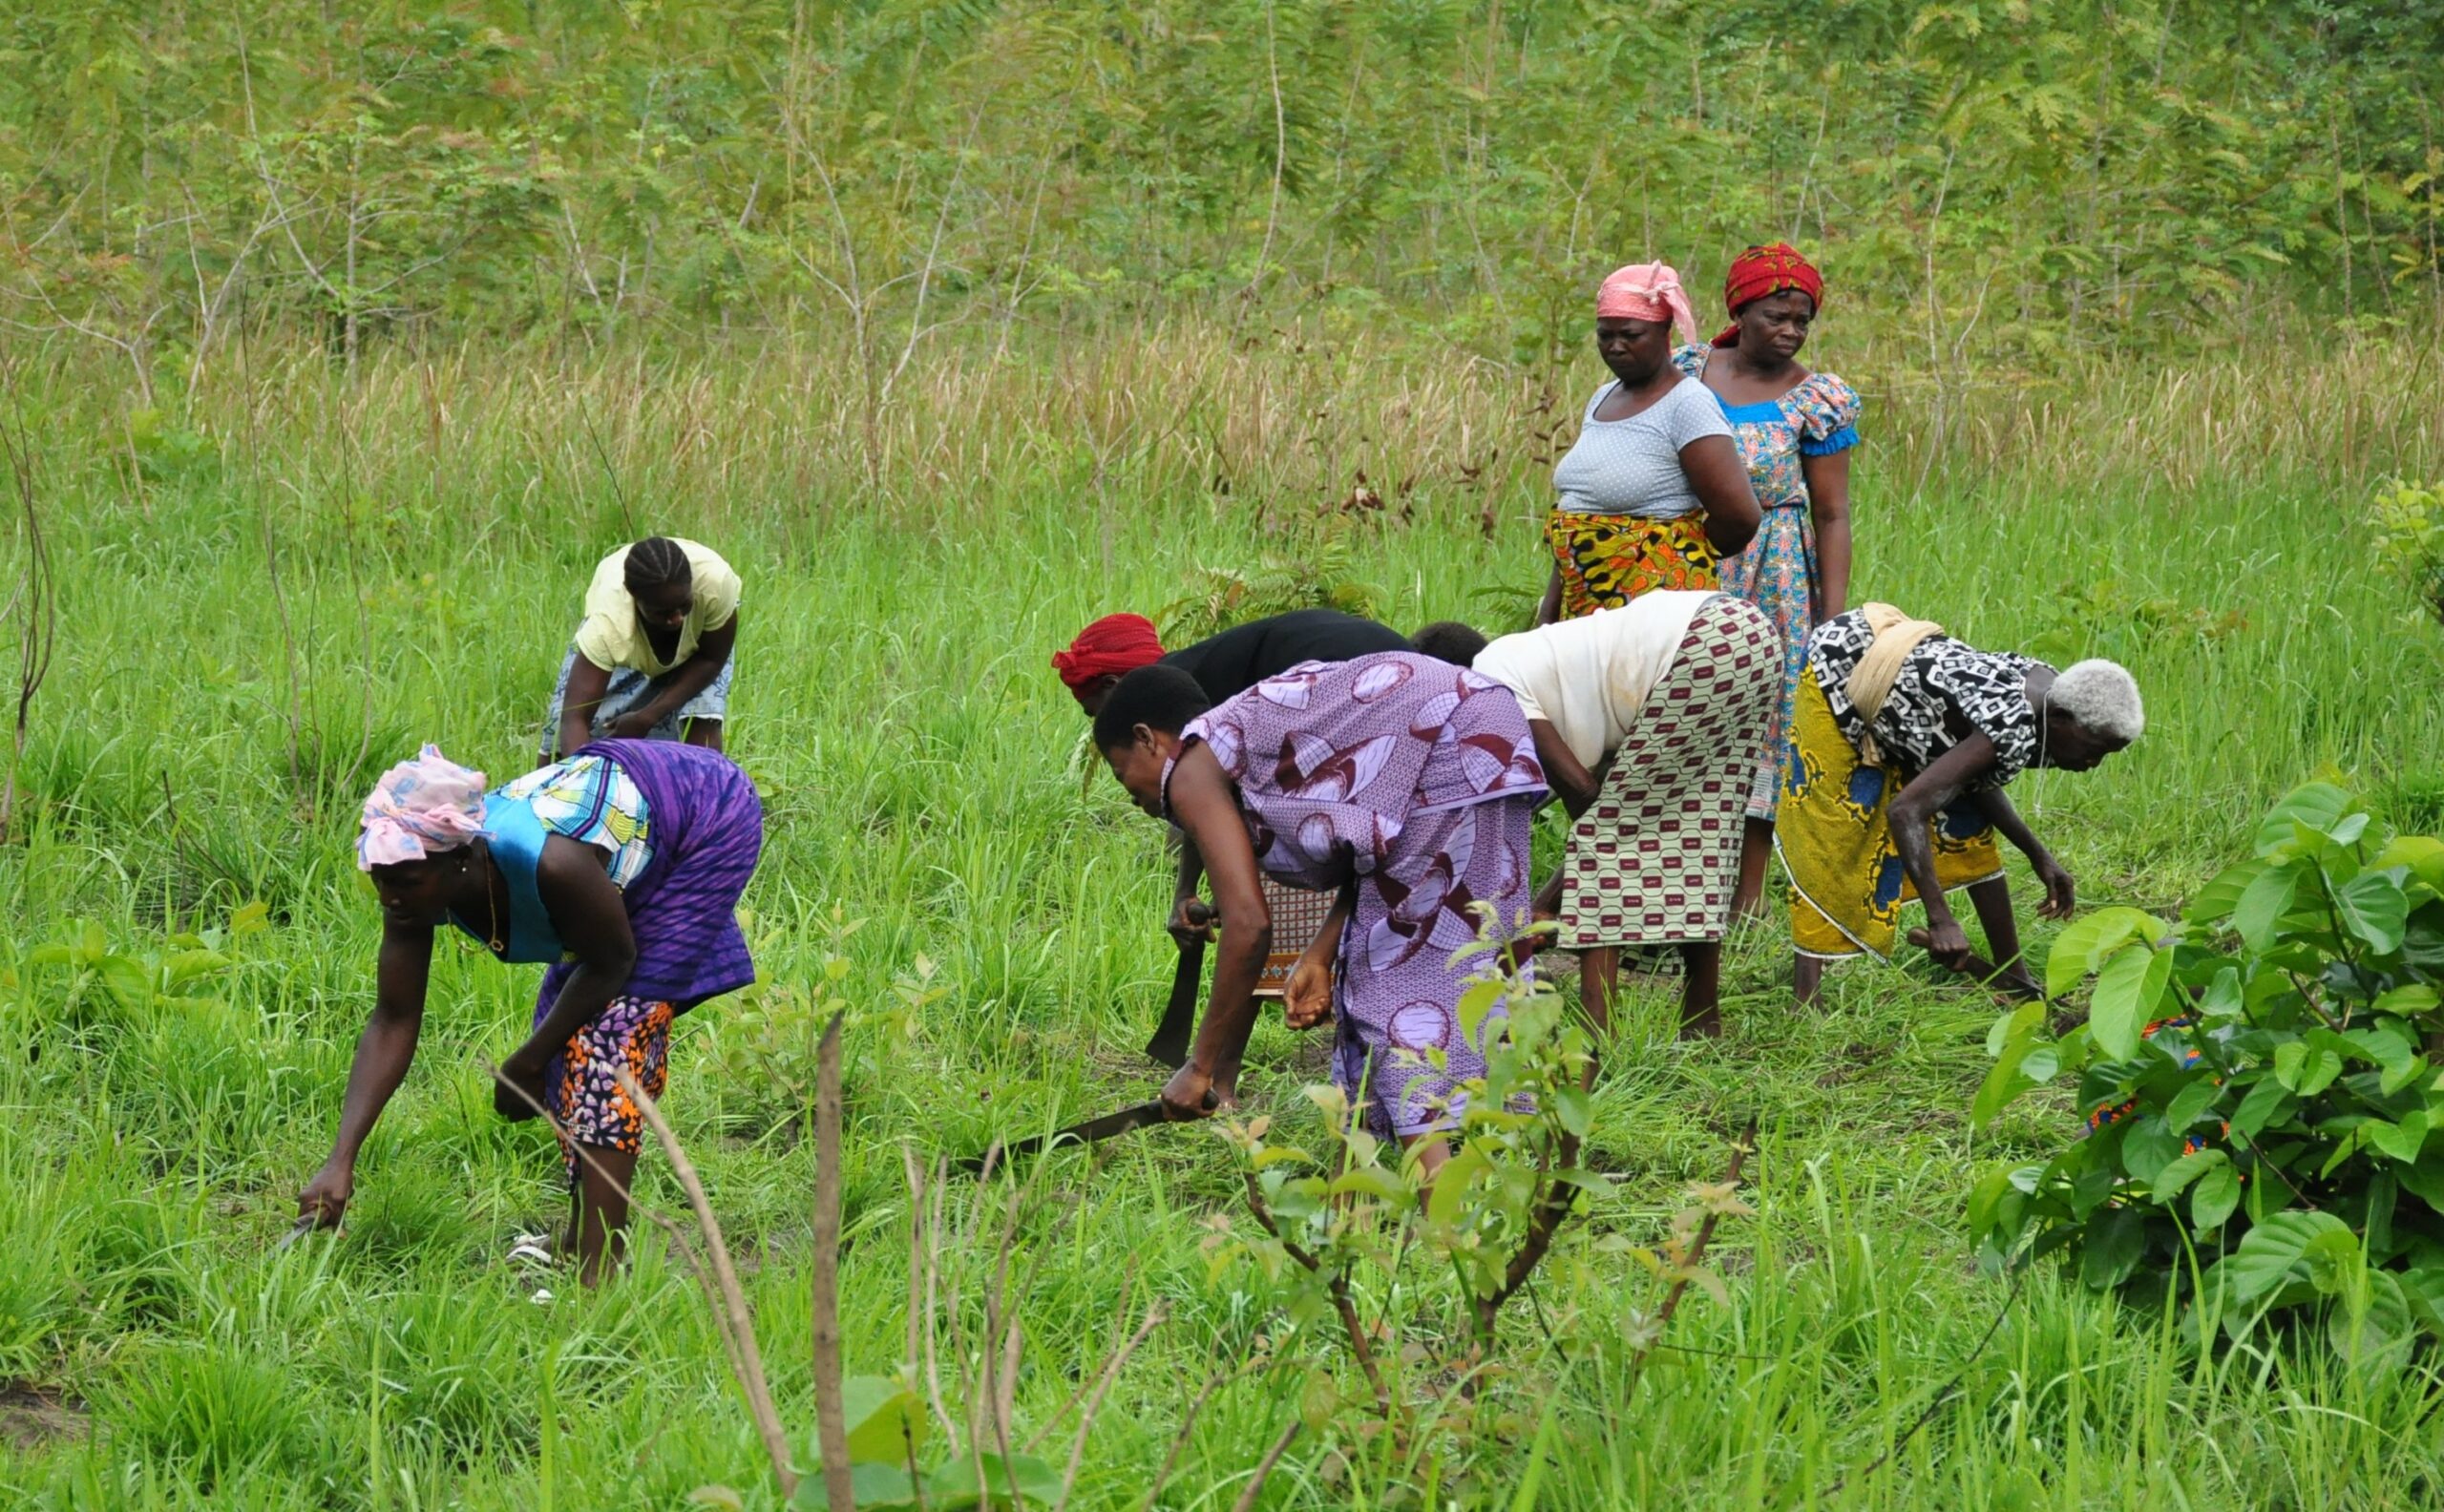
(1777, 571)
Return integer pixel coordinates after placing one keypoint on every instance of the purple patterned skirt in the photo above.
(1396, 993)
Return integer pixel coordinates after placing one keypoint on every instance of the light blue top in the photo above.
(1632, 466)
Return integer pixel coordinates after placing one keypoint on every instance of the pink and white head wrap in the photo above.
(419, 808)
(1647, 292)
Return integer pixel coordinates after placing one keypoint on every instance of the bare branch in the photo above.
(759, 1395)
(831, 1423)
(1264, 1468)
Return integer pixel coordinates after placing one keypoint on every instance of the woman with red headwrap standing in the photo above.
(1652, 494)
(1793, 430)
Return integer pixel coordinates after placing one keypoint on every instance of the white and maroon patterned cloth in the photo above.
(1654, 859)
(1941, 678)
(1417, 778)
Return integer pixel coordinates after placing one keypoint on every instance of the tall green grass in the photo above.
(251, 628)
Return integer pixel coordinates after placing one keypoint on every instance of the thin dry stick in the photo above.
(986, 1395)
(1187, 1425)
(1155, 1316)
(1336, 1285)
(661, 1220)
(933, 1277)
(1119, 1322)
(37, 593)
(759, 1395)
(831, 1421)
(916, 1272)
(1541, 1228)
(1935, 1404)
(1739, 1153)
(1264, 1468)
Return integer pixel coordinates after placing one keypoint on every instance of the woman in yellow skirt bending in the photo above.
(1901, 742)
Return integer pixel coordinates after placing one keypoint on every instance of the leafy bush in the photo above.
(1349, 1216)
(2259, 1089)
(1323, 576)
(763, 1041)
(2409, 539)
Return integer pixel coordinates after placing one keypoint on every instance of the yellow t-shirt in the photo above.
(612, 637)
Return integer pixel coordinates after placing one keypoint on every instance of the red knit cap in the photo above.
(1115, 644)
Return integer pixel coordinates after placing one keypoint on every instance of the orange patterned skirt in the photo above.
(1606, 560)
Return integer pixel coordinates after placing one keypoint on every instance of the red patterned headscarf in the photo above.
(1115, 644)
(1761, 271)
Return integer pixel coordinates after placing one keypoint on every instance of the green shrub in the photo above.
(2409, 539)
(2259, 1084)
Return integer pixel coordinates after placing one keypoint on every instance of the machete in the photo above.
(1169, 1046)
(1135, 1116)
(1987, 972)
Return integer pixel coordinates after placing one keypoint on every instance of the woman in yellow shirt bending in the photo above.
(652, 659)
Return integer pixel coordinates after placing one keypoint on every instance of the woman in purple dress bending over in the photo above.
(622, 865)
(1403, 785)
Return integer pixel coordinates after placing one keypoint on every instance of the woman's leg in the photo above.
(1701, 999)
(1435, 1154)
(1599, 980)
(1807, 974)
(601, 1129)
(1755, 850)
(705, 732)
(598, 1212)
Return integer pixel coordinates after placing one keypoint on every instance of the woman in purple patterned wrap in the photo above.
(1401, 783)
(622, 865)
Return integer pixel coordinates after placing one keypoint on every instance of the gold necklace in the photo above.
(491, 907)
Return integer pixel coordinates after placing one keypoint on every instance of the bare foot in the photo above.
(1706, 1024)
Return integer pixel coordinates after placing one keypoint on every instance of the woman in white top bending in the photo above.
(1646, 721)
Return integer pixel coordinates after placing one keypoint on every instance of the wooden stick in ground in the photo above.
(1187, 1425)
(1698, 1246)
(1336, 1287)
(916, 1317)
(1155, 1316)
(831, 1423)
(742, 1323)
(1264, 1468)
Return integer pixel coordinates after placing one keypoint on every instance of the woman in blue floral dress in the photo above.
(1794, 428)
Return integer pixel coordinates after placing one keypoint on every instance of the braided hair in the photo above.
(656, 560)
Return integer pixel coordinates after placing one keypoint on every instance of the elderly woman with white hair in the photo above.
(1902, 739)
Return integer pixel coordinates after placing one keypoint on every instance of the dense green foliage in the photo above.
(2263, 1085)
(2016, 174)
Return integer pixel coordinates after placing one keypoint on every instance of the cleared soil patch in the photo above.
(32, 1418)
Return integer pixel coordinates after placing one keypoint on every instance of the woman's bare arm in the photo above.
(1720, 481)
(591, 918)
(1828, 503)
(383, 1052)
(1208, 812)
(1913, 808)
(587, 684)
(1548, 608)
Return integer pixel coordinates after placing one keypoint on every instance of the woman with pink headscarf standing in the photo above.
(1652, 493)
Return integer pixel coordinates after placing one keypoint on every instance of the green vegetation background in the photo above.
(2139, 308)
